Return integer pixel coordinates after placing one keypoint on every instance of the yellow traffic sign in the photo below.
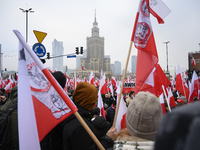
(39, 35)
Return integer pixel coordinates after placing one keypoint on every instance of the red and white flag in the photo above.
(121, 115)
(194, 87)
(100, 101)
(159, 10)
(42, 103)
(83, 68)
(193, 61)
(143, 39)
(162, 103)
(171, 98)
(181, 85)
(91, 80)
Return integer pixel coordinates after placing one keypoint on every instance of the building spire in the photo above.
(95, 15)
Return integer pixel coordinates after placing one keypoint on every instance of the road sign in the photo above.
(39, 35)
(39, 49)
(71, 56)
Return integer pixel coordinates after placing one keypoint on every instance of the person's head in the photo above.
(106, 95)
(143, 116)
(2, 90)
(85, 95)
(96, 111)
(184, 99)
(195, 99)
(60, 77)
(132, 93)
(115, 93)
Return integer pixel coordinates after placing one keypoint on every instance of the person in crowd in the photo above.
(143, 118)
(100, 123)
(3, 97)
(130, 97)
(106, 100)
(106, 114)
(111, 112)
(180, 102)
(179, 130)
(195, 99)
(183, 98)
(14, 145)
(115, 96)
(74, 135)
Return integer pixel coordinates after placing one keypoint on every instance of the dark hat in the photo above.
(60, 77)
(85, 95)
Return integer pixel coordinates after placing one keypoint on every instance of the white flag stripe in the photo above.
(28, 134)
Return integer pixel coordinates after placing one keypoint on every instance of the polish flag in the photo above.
(193, 61)
(121, 115)
(181, 86)
(111, 89)
(162, 103)
(83, 68)
(143, 39)
(91, 80)
(171, 98)
(113, 81)
(100, 101)
(85, 79)
(42, 103)
(194, 87)
(159, 10)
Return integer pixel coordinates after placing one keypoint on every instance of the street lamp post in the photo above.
(167, 53)
(26, 11)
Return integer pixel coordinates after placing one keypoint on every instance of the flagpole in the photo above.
(166, 97)
(122, 85)
(125, 69)
(57, 87)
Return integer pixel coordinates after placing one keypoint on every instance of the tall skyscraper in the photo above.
(57, 49)
(117, 68)
(133, 63)
(112, 66)
(95, 59)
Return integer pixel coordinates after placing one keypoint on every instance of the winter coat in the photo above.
(13, 116)
(101, 125)
(75, 137)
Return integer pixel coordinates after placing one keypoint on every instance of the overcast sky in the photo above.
(70, 21)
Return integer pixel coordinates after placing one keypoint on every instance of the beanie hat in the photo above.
(143, 116)
(85, 95)
(60, 77)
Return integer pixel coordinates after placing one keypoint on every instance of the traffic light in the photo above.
(77, 52)
(48, 55)
(81, 50)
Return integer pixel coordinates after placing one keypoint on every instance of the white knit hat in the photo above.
(143, 116)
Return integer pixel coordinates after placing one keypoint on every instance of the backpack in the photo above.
(5, 134)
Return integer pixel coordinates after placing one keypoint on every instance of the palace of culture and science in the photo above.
(95, 60)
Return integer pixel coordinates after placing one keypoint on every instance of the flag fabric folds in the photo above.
(143, 39)
(181, 85)
(194, 87)
(42, 103)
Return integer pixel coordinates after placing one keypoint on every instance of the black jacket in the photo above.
(101, 125)
(75, 137)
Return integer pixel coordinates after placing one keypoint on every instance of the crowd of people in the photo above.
(146, 127)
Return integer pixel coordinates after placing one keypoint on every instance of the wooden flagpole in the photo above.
(125, 69)
(80, 119)
(122, 85)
